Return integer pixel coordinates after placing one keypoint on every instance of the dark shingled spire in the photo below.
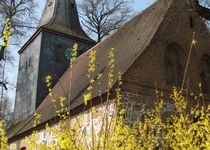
(62, 16)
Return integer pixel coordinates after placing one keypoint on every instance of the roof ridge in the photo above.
(123, 27)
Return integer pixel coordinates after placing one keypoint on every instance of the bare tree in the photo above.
(5, 88)
(21, 13)
(6, 112)
(104, 16)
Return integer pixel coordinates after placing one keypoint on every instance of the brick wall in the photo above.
(149, 70)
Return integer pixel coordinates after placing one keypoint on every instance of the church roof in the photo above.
(129, 42)
(62, 16)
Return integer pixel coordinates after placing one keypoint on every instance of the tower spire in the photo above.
(62, 16)
(45, 53)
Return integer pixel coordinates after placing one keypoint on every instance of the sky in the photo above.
(138, 6)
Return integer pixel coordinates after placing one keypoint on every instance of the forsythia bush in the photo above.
(3, 137)
(187, 128)
(7, 32)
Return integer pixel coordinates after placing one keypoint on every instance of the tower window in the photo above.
(58, 53)
(205, 74)
(72, 4)
(174, 69)
(29, 62)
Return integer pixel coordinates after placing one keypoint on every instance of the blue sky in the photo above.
(138, 6)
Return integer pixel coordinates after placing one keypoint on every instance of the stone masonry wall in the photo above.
(81, 123)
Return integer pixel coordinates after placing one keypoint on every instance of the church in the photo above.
(152, 51)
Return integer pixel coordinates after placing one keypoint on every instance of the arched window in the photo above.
(205, 73)
(174, 69)
(170, 73)
(180, 74)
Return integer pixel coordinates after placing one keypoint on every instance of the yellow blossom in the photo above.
(4, 44)
(53, 100)
(7, 32)
(89, 88)
(93, 110)
(48, 79)
(87, 97)
(74, 53)
(92, 60)
(194, 42)
(3, 137)
(100, 75)
(62, 99)
(7, 20)
(50, 94)
(92, 81)
(37, 119)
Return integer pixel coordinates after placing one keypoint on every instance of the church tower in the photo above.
(44, 53)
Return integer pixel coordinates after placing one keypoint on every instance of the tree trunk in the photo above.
(2, 53)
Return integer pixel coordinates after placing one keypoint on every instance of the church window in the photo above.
(205, 73)
(170, 73)
(180, 72)
(174, 69)
(191, 22)
(58, 53)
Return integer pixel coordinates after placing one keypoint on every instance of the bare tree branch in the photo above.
(20, 12)
(104, 16)
(4, 85)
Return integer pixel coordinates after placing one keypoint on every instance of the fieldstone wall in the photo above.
(81, 123)
(136, 105)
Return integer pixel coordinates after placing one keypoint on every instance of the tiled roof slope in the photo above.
(129, 43)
